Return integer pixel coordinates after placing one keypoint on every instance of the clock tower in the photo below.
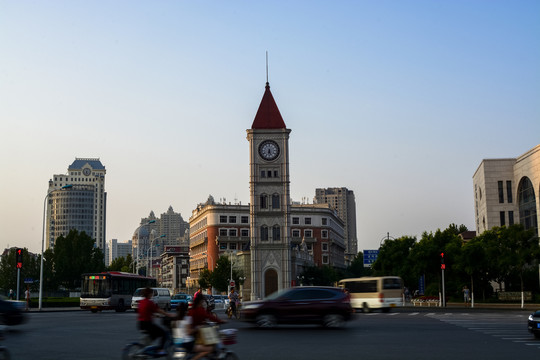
(269, 209)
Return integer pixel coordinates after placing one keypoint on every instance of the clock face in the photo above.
(269, 150)
(86, 171)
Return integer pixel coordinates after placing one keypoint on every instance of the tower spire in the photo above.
(267, 83)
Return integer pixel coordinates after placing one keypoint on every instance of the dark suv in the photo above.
(328, 306)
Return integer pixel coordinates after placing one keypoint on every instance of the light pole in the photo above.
(43, 243)
(151, 244)
(231, 279)
(136, 267)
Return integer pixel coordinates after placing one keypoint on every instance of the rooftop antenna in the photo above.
(267, 68)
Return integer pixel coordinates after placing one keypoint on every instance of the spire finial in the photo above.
(267, 83)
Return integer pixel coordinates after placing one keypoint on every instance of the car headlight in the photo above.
(531, 318)
(252, 306)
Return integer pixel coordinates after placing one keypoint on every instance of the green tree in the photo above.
(394, 259)
(322, 276)
(357, 268)
(8, 271)
(204, 279)
(124, 264)
(74, 255)
(221, 275)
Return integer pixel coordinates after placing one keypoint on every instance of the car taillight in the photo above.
(381, 297)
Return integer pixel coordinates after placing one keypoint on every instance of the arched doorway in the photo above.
(527, 204)
(270, 282)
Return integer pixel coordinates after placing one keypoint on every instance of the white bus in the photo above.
(367, 293)
(111, 290)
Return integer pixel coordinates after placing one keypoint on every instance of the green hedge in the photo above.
(56, 302)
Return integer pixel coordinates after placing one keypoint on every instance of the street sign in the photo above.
(369, 257)
(232, 283)
(28, 280)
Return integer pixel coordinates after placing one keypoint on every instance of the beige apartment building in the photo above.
(506, 191)
(77, 200)
(343, 200)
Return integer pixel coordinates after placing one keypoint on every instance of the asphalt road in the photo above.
(406, 333)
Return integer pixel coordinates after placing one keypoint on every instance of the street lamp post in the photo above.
(43, 243)
(151, 244)
(136, 267)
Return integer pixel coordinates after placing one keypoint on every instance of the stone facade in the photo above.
(506, 191)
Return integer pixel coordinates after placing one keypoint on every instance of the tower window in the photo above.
(276, 232)
(264, 201)
(275, 201)
(264, 232)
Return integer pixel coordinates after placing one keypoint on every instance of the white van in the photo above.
(162, 297)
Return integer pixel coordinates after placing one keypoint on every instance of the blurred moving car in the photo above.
(12, 312)
(162, 297)
(328, 306)
(179, 299)
(533, 324)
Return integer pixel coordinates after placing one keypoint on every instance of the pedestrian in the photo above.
(11, 296)
(27, 297)
(465, 295)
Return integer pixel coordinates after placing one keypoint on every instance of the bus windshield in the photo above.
(98, 287)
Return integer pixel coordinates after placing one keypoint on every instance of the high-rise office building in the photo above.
(342, 199)
(77, 200)
(506, 191)
(116, 250)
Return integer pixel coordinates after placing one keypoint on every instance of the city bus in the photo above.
(111, 290)
(367, 293)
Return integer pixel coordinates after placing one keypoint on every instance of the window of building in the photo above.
(324, 221)
(233, 232)
(509, 191)
(275, 173)
(324, 246)
(244, 219)
(232, 219)
(308, 233)
(501, 215)
(501, 192)
(269, 173)
(222, 219)
(244, 232)
(264, 232)
(264, 201)
(275, 201)
(296, 233)
(223, 246)
(325, 259)
(510, 218)
(324, 234)
(222, 232)
(276, 232)
(232, 246)
(307, 221)
(263, 173)
(295, 221)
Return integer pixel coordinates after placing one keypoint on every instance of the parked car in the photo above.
(179, 299)
(533, 324)
(162, 297)
(328, 306)
(12, 312)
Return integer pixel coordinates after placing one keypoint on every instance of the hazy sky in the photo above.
(398, 101)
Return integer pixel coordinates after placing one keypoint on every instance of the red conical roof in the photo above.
(268, 116)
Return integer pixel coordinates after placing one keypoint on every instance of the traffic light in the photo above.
(443, 266)
(18, 258)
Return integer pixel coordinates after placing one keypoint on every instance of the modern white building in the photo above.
(506, 191)
(77, 200)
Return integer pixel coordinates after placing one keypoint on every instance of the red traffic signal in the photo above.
(19, 258)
